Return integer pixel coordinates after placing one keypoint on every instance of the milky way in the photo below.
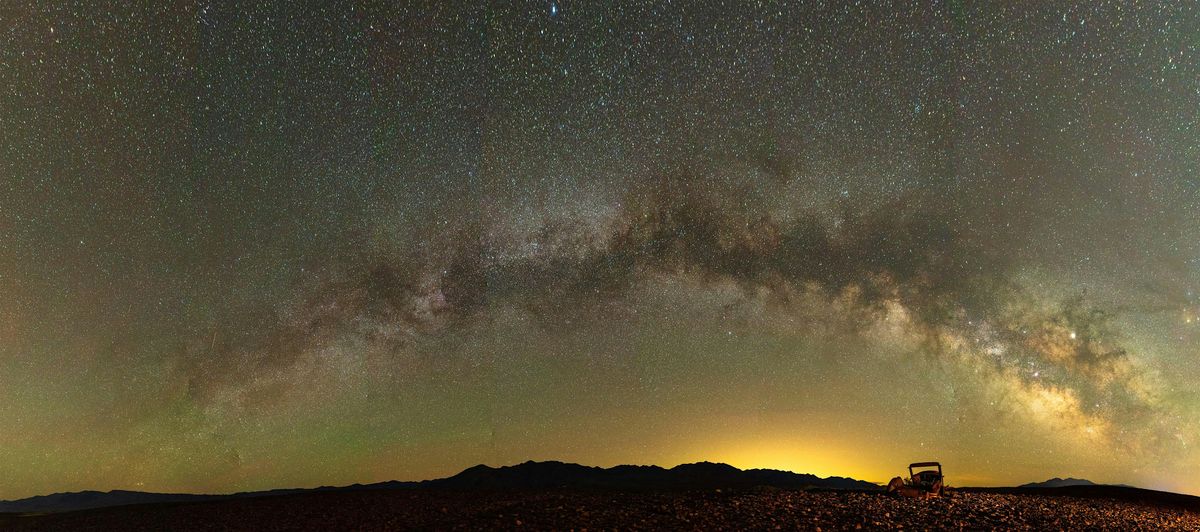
(262, 244)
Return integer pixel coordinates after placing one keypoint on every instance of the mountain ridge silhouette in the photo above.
(1057, 482)
(527, 475)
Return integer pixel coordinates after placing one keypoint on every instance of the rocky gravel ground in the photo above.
(760, 509)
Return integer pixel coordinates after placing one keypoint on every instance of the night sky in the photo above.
(249, 245)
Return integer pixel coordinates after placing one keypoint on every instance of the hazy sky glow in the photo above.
(249, 245)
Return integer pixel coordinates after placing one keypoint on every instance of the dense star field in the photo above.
(253, 244)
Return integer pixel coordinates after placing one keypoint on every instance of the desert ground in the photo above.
(757, 509)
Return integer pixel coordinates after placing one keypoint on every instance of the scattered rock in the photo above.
(579, 510)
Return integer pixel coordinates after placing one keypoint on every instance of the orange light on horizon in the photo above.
(824, 459)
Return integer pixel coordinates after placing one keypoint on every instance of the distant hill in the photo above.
(528, 475)
(85, 500)
(82, 500)
(702, 475)
(1059, 483)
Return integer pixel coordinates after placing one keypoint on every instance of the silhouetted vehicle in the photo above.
(922, 482)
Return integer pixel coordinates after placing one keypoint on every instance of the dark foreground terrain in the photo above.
(762, 509)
